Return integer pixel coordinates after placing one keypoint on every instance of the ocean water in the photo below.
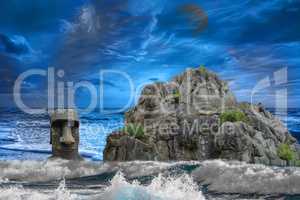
(26, 137)
(25, 172)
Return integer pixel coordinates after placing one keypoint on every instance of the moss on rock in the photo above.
(285, 152)
(134, 130)
(233, 116)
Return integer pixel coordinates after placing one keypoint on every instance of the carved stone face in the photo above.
(65, 134)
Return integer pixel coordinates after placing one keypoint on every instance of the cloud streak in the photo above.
(243, 41)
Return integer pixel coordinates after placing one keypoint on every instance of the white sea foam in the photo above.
(49, 170)
(58, 169)
(19, 193)
(144, 168)
(161, 188)
(220, 176)
(243, 178)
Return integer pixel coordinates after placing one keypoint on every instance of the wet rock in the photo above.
(181, 121)
(122, 147)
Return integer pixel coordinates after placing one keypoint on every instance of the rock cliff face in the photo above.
(182, 120)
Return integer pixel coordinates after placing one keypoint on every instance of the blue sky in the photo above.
(150, 40)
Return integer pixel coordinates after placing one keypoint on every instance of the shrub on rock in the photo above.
(285, 152)
(134, 130)
(233, 116)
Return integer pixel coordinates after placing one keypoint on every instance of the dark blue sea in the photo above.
(25, 172)
(26, 137)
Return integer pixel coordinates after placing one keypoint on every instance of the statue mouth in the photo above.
(67, 146)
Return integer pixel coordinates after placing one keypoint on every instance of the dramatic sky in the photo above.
(244, 41)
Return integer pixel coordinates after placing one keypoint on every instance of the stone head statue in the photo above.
(65, 134)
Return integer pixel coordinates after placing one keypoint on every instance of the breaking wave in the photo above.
(141, 180)
(243, 178)
(160, 188)
(33, 180)
(48, 170)
(19, 193)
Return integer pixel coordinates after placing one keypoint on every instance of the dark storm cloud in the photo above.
(9, 69)
(154, 40)
(273, 27)
(107, 33)
(16, 45)
(87, 36)
(27, 30)
(243, 22)
(34, 15)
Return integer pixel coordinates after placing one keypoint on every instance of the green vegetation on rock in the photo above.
(202, 69)
(233, 116)
(244, 106)
(285, 152)
(298, 163)
(134, 130)
(176, 95)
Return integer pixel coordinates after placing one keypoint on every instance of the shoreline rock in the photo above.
(182, 120)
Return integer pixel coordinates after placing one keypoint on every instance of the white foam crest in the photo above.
(58, 169)
(4, 180)
(143, 168)
(19, 193)
(240, 177)
(20, 146)
(61, 193)
(161, 188)
(48, 170)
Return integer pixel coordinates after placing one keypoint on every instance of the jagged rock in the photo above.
(122, 147)
(181, 121)
(240, 141)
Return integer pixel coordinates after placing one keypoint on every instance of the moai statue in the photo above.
(65, 134)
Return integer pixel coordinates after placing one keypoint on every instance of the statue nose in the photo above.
(67, 137)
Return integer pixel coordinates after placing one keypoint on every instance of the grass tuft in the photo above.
(134, 130)
(285, 152)
(233, 116)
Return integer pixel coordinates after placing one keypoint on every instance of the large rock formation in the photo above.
(181, 120)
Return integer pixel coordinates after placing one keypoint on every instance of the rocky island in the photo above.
(195, 116)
